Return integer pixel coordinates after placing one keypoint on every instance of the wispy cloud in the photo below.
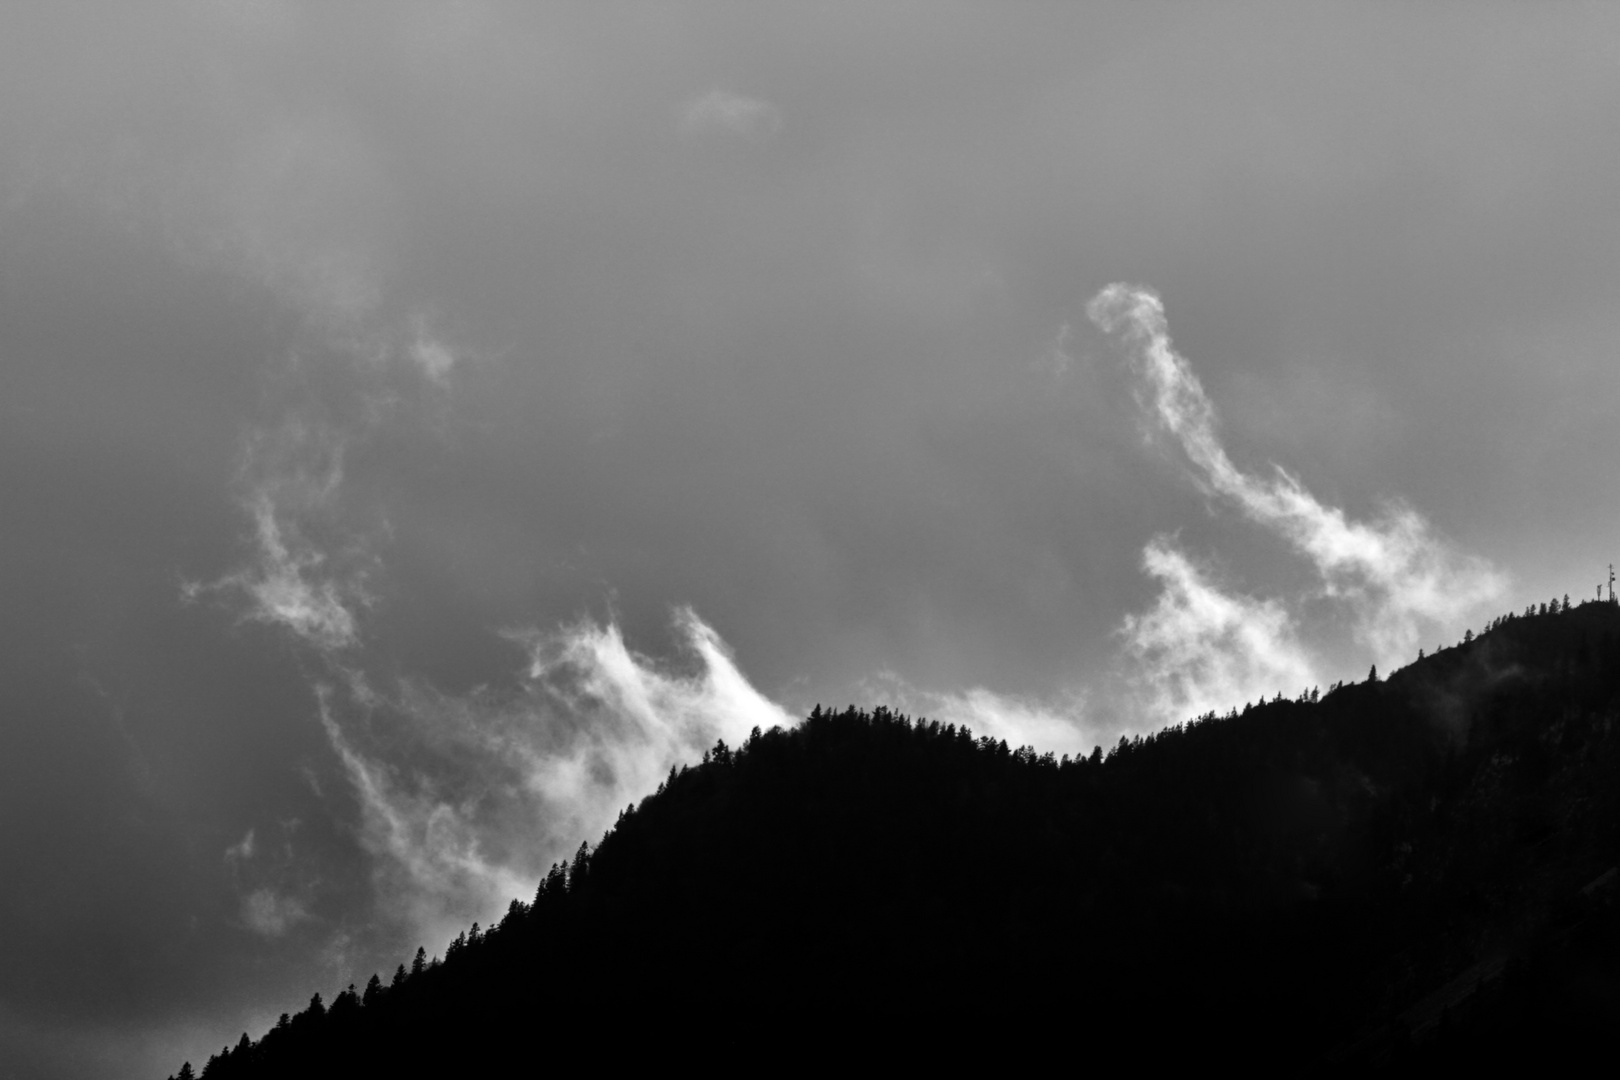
(734, 114)
(1056, 727)
(271, 914)
(1055, 359)
(242, 850)
(292, 477)
(286, 586)
(433, 871)
(1202, 648)
(269, 906)
(430, 353)
(467, 799)
(1399, 578)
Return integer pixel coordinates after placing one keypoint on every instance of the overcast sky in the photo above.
(421, 425)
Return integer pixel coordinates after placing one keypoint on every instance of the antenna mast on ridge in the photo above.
(1611, 583)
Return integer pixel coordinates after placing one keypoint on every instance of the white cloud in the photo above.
(434, 873)
(292, 476)
(1019, 721)
(1201, 648)
(720, 111)
(287, 589)
(467, 799)
(1400, 579)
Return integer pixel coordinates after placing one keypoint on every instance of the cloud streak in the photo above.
(466, 799)
(1398, 577)
(287, 587)
(292, 478)
(722, 112)
(1055, 727)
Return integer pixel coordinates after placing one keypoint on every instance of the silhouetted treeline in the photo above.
(1384, 873)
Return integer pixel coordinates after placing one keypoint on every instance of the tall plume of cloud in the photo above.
(1398, 577)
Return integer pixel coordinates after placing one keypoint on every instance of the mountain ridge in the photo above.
(1297, 881)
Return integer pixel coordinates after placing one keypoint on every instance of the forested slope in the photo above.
(1301, 881)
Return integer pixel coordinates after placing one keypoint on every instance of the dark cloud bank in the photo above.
(423, 425)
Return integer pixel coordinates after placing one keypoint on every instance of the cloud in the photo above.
(433, 872)
(271, 914)
(734, 114)
(286, 588)
(1019, 721)
(1056, 360)
(431, 355)
(466, 799)
(267, 907)
(292, 477)
(1201, 648)
(1398, 577)
(242, 850)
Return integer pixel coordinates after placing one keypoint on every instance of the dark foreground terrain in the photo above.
(1400, 873)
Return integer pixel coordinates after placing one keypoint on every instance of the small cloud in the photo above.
(429, 353)
(242, 850)
(720, 111)
(272, 914)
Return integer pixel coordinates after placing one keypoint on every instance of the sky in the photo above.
(424, 425)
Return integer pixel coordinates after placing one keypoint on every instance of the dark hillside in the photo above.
(1390, 871)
